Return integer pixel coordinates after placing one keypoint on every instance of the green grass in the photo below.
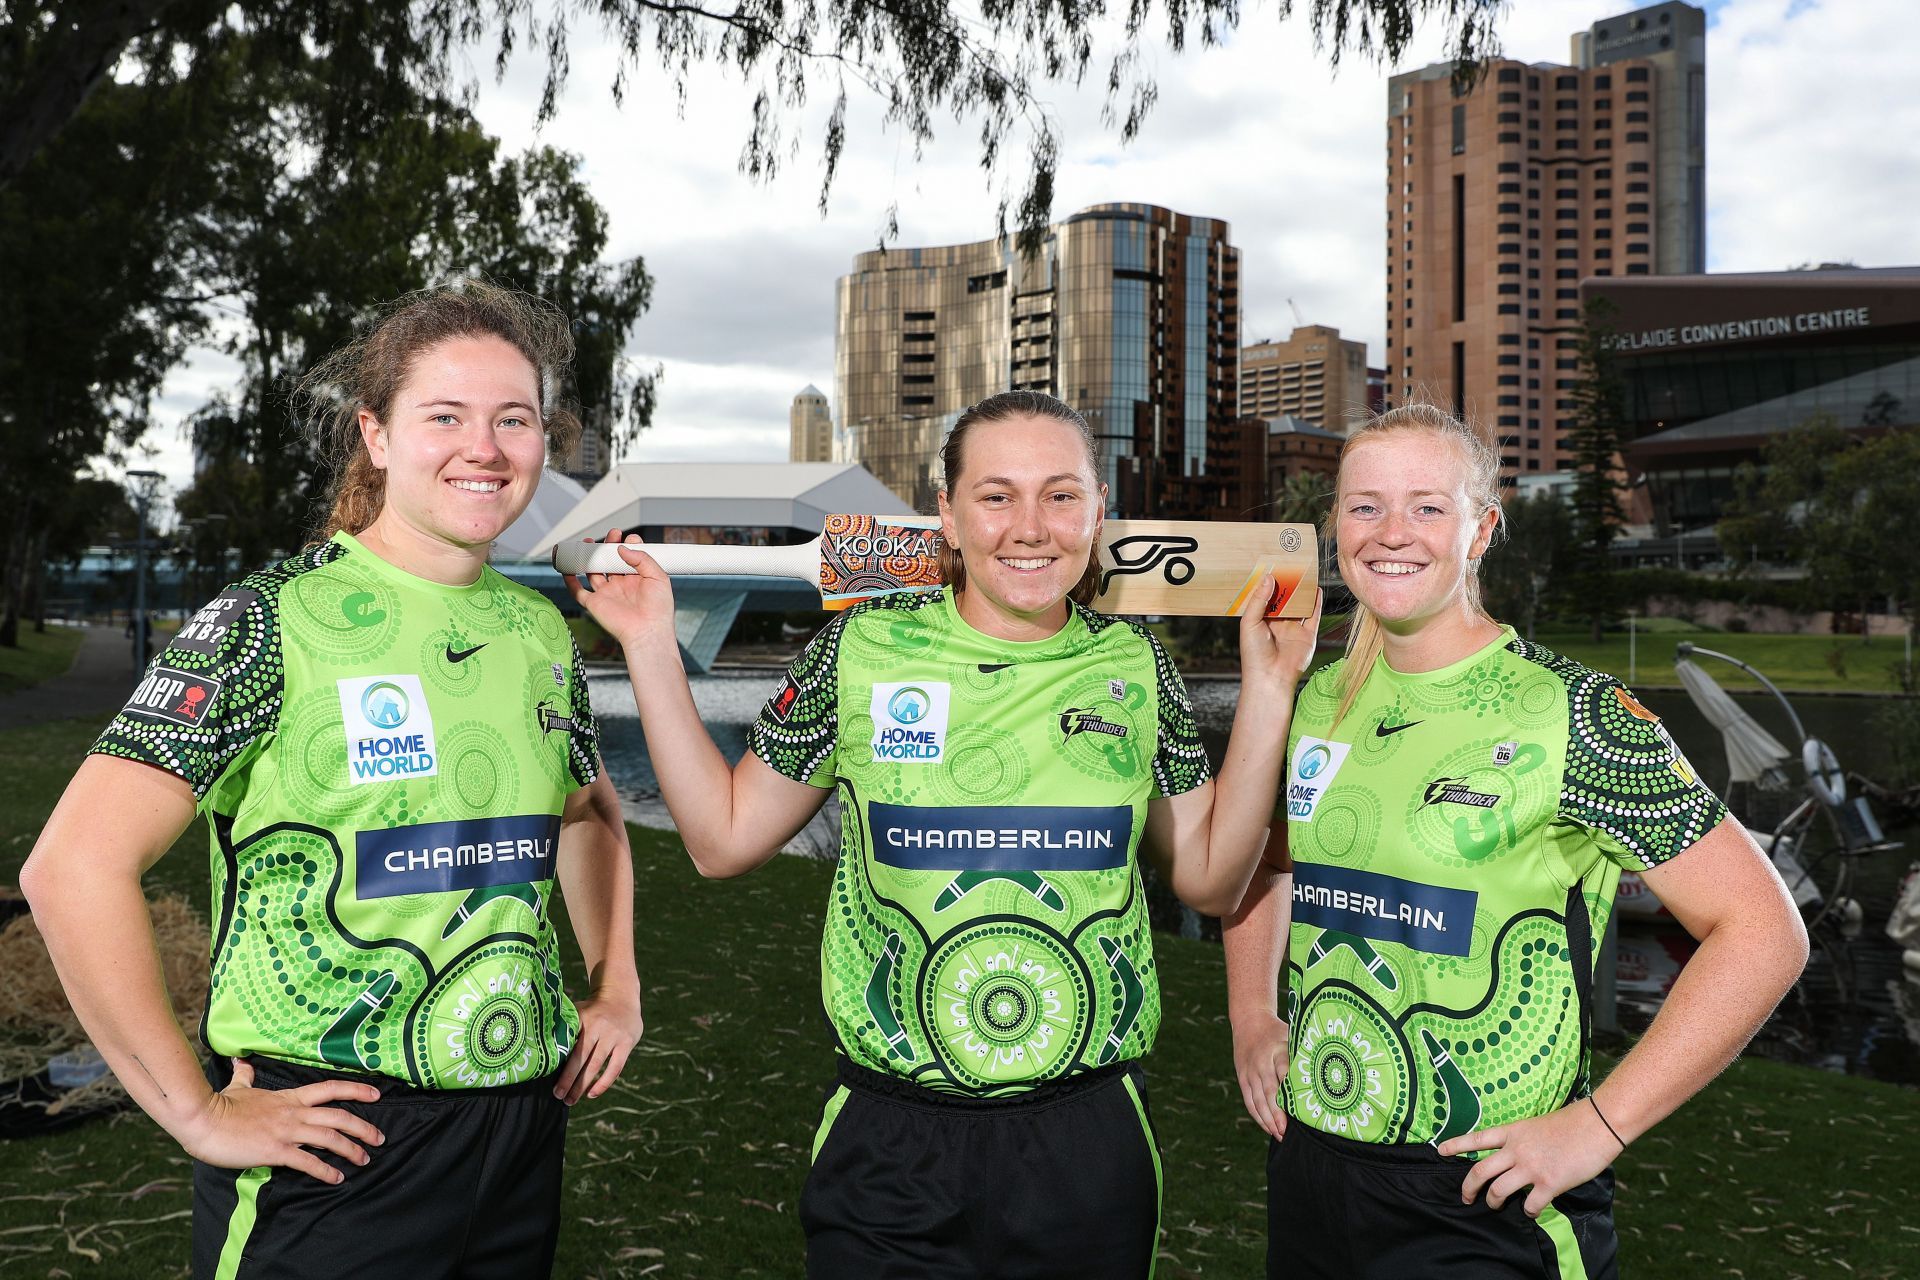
(692, 1165)
(41, 656)
(1841, 664)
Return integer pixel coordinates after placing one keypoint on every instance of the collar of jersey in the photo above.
(371, 563)
(1069, 632)
(1452, 669)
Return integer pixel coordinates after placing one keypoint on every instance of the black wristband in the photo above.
(1603, 1120)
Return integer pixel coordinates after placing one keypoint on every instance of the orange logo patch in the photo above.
(1633, 706)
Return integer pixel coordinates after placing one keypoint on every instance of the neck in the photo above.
(1427, 644)
(407, 548)
(989, 619)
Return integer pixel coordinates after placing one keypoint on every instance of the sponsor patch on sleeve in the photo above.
(178, 697)
(206, 630)
(781, 705)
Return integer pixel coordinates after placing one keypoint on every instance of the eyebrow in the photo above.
(462, 404)
(1417, 493)
(1008, 481)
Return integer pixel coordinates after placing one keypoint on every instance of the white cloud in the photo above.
(1809, 120)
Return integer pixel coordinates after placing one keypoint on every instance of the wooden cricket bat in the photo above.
(1196, 568)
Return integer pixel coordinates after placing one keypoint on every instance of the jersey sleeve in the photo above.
(209, 696)
(583, 751)
(798, 731)
(1179, 760)
(1627, 784)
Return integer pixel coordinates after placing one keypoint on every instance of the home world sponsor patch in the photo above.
(1001, 837)
(1426, 917)
(910, 721)
(389, 729)
(471, 853)
(178, 697)
(1311, 771)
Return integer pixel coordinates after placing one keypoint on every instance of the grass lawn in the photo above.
(692, 1165)
(1837, 664)
(41, 655)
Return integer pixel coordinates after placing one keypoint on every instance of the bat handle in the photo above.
(683, 559)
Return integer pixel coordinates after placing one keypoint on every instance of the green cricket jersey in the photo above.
(1457, 839)
(986, 930)
(383, 761)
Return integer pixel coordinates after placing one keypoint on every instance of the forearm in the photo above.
(1214, 875)
(100, 938)
(696, 781)
(1254, 938)
(596, 879)
(1722, 996)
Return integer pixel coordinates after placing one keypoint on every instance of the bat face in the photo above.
(1205, 568)
(863, 556)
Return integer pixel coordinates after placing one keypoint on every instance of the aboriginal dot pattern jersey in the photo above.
(383, 761)
(1456, 842)
(987, 929)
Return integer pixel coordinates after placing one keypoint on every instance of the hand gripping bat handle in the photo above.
(682, 559)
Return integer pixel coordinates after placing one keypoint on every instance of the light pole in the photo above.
(145, 486)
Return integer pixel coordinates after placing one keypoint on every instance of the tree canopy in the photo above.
(987, 64)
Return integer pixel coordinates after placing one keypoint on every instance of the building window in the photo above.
(1508, 189)
(1566, 144)
(1512, 207)
(1509, 166)
(1508, 269)
(1563, 83)
(1509, 401)
(1602, 214)
(915, 401)
(1637, 135)
(1509, 248)
(1505, 309)
(1564, 363)
(1510, 380)
(1507, 139)
(1565, 254)
(1566, 273)
(916, 317)
(1567, 233)
(1508, 288)
(1638, 166)
(1637, 117)
(1638, 95)
(1566, 293)
(1567, 313)
(1509, 75)
(1508, 359)
(1565, 124)
(1507, 229)
(1563, 215)
(1636, 75)
(1509, 420)
(916, 379)
(1636, 228)
(917, 357)
(1509, 339)
(1459, 130)
(1603, 193)
(1603, 82)
(1507, 117)
(1637, 268)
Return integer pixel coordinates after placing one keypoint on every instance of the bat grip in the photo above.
(683, 559)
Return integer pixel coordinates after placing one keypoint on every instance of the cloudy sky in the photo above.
(1810, 120)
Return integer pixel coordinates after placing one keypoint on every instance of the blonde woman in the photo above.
(1457, 807)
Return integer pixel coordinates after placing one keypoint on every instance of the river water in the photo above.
(1856, 1010)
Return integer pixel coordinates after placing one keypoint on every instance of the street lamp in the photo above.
(145, 486)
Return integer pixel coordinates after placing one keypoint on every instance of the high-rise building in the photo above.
(1128, 312)
(592, 454)
(1502, 199)
(1314, 375)
(810, 427)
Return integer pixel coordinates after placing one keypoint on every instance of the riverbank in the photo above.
(692, 1166)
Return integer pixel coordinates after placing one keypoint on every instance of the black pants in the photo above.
(1059, 1184)
(465, 1187)
(1344, 1210)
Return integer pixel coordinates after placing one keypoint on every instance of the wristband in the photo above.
(1603, 1120)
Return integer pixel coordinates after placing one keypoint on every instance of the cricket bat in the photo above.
(1196, 568)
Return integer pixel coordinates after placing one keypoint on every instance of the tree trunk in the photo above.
(36, 606)
(53, 91)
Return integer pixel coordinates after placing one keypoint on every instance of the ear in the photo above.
(946, 518)
(1483, 536)
(374, 435)
(1100, 516)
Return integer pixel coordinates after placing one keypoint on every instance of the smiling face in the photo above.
(1024, 514)
(462, 445)
(1408, 527)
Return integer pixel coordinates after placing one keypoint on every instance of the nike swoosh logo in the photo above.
(988, 668)
(464, 654)
(1382, 731)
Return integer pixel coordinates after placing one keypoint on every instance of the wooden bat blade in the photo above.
(1206, 568)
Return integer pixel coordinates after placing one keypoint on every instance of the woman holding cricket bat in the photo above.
(1459, 804)
(392, 747)
(987, 967)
